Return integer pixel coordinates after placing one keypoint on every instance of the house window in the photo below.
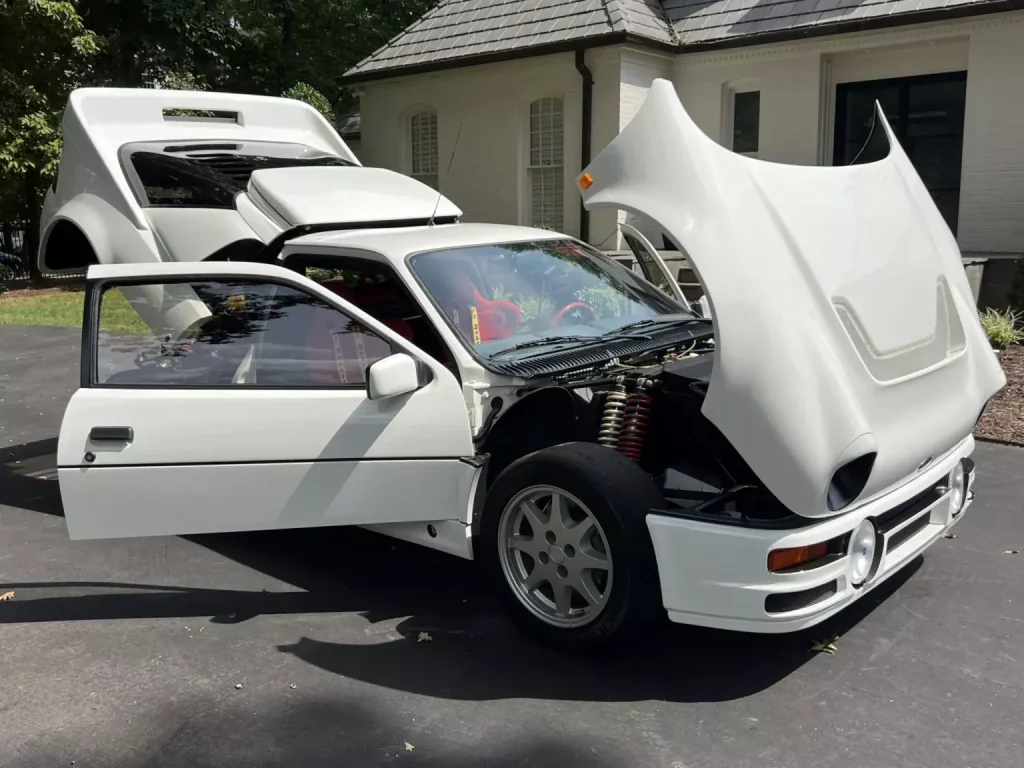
(746, 122)
(927, 115)
(545, 171)
(423, 137)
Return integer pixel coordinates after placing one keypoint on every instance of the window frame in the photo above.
(530, 167)
(91, 328)
(410, 146)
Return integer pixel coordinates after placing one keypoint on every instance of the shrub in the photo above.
(313, 97)
(1001, 327)
(6, 275)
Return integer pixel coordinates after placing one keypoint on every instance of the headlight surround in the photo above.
(863, 546)
(957, 489)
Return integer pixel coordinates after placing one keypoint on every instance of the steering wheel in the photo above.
(574, 310)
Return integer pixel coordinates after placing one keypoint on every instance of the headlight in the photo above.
(863, 544)
(957, 488)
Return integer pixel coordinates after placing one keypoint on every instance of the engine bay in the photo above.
(648, 408)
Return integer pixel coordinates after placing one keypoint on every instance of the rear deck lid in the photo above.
(845, 326)
(350, 195)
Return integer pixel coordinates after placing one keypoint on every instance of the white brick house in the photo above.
(790, 81)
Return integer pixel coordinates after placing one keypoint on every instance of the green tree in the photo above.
(45, 50)
(313, 97)
(143, 43)
(282, 42)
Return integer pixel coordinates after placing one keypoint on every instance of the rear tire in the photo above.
(564, 539)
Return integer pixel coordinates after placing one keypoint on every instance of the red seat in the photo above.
(496, 318)
(373, 294)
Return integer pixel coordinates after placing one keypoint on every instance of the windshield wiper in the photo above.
(652, 321)
(549, 340)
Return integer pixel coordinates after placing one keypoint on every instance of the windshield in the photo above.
(499, 297)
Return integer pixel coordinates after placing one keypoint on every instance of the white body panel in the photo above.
(238, 458)
(302, 196)
(94, 194)
(876, 346)
(717, 576)
(104, 503)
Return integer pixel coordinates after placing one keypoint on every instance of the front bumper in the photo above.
(715, 575)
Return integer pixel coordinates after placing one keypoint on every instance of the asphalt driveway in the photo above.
(302, 649)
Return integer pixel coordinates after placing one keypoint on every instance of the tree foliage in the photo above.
(313, 97)
(44, 49)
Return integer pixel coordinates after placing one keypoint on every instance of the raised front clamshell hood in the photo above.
(844, 323)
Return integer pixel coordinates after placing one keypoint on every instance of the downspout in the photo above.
(587, 129)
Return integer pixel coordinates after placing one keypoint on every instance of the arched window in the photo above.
(423, 147)
(545, 172)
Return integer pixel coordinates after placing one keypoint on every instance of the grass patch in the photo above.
(65, 308)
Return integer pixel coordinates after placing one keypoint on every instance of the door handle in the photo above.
(112, 434)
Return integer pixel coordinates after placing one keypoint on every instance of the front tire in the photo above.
(563, 537)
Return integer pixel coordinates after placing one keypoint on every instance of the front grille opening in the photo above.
(899, 514)
(901, 536)
(794, 601)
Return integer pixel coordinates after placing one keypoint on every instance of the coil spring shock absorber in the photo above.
(635, 421)
(614, 412)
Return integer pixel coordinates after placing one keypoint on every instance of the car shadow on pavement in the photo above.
(24, 470)
(443, 632)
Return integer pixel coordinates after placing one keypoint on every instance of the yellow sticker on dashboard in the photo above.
(476, 325)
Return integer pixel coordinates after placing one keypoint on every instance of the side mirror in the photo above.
(395, 375)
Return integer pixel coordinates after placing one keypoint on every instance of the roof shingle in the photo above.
(465, 29)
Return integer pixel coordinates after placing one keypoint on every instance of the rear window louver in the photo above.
(205, 179)
(239, 168)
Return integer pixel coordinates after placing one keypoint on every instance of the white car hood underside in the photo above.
(843, 318)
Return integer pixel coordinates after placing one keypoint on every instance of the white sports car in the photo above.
(276, 337)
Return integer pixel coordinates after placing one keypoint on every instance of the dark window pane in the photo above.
(855, 103)
(223, 334)
(206, 180)
(936, 108)
(937, 160)
(746, 121)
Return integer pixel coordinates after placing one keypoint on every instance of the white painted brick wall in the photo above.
(489, 169)
(789, 101)
(638, 70)
(992, 185)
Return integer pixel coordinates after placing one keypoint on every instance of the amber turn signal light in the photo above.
(586, 180)
(783, 559)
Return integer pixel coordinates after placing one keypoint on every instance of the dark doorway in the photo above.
(927, 115)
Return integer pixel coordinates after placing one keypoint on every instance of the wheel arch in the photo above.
(75, 237)
(543, 418)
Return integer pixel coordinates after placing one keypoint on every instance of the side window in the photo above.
(228, 333)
